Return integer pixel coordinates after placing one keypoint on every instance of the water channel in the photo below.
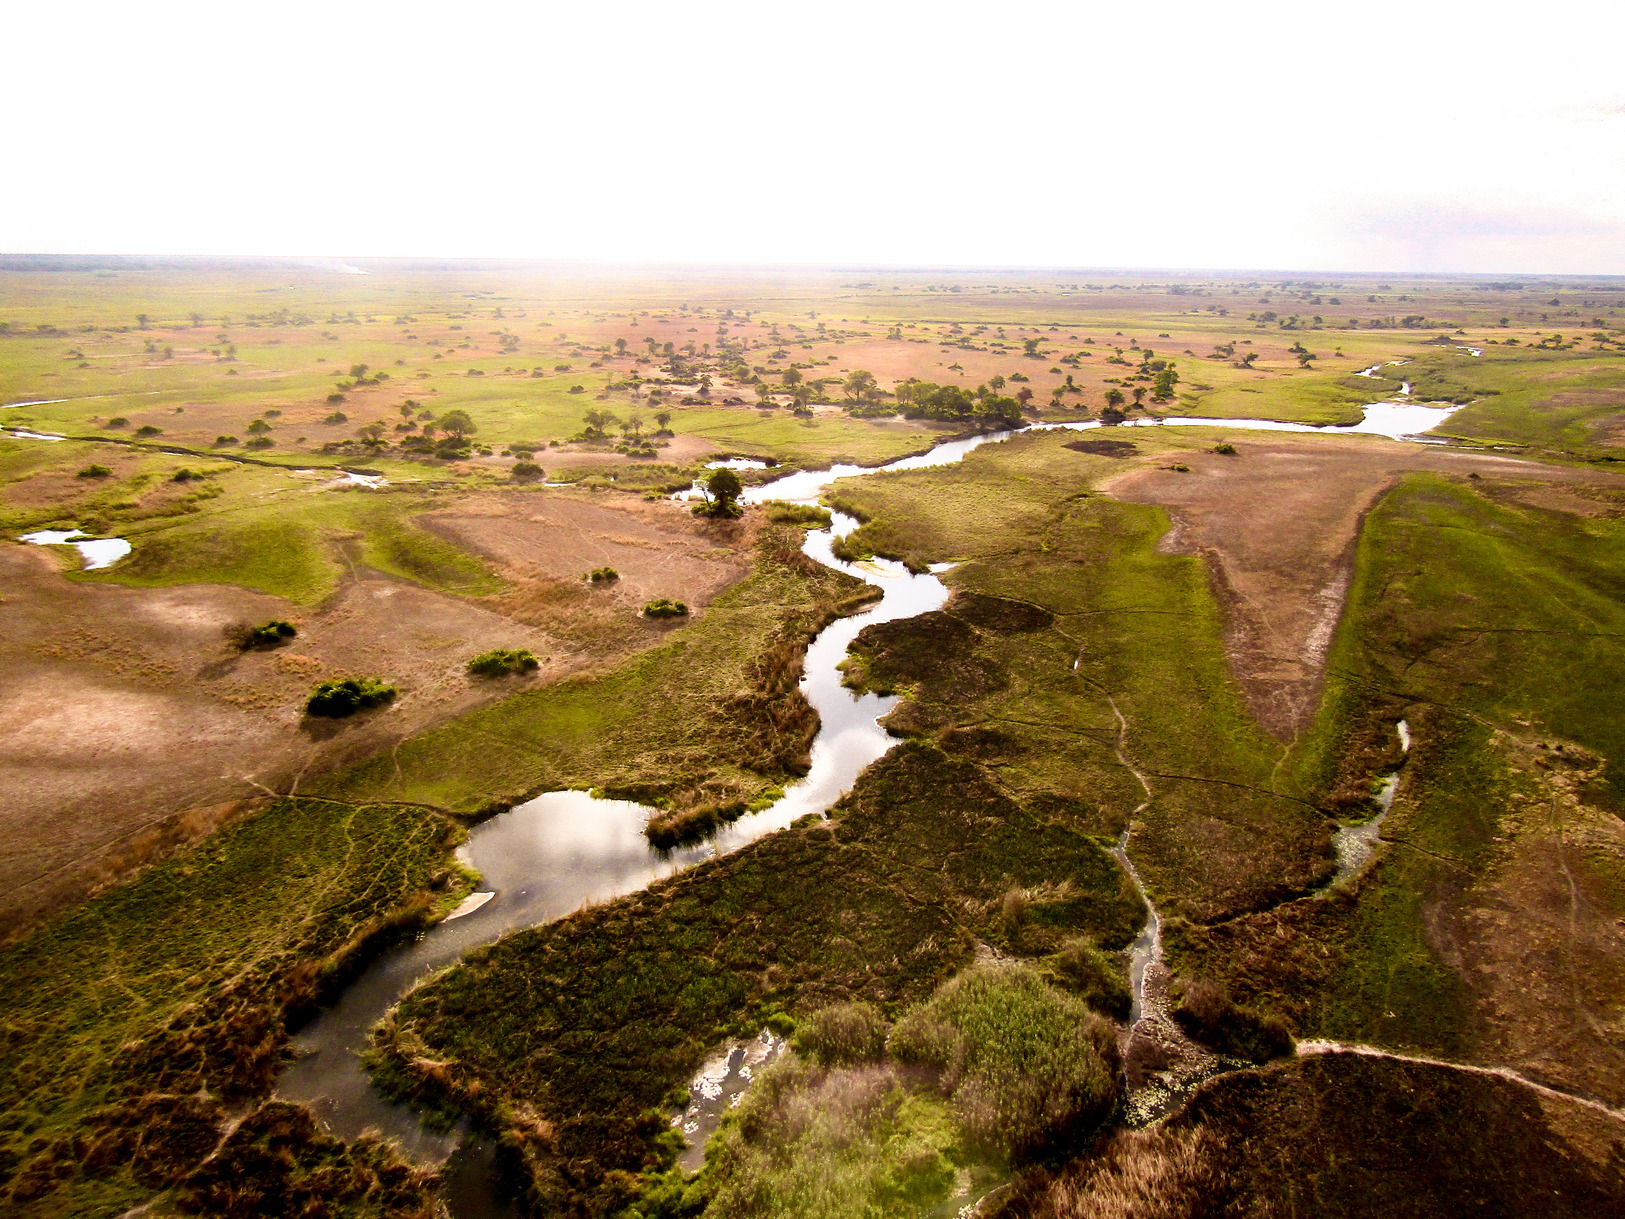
(543, 859)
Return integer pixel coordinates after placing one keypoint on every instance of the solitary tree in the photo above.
(996, 382)
(723, 489)
(598, 422)
(1139, 394)
(1114, 399)
(620, 347)
(792, 377)
(457, 423)
(662, 418)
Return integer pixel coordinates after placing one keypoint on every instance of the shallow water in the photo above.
(548, 856)
(1355, 844)
(97, 552)
(22, 433)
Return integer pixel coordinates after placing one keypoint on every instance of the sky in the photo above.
(1374, 136)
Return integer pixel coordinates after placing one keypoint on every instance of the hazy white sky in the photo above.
(1356, 136)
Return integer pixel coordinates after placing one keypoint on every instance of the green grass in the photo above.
(593, 1019)
(179, 979)
(1471, 615)
(711, 714)
(1224, 833)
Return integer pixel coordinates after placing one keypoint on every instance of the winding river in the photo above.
(546, 857)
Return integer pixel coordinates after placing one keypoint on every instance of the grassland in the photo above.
(123, 1012)
(1082, 681)
(1491, 623)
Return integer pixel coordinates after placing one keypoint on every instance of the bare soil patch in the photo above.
(128, 723)
(1277, 522)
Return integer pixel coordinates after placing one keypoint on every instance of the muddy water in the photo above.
(546, 857)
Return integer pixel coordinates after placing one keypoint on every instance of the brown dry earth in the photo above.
(128, 723)
(1277, 523)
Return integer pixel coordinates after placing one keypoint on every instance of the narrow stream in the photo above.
(546, 857)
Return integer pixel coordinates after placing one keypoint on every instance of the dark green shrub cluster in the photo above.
(1208, 1014)
(147, 429)
(1225, 447)
(603, 575)
(94, 471)
(527, 471)
(346, 696)
(269, 635)
(501, 662)
(337, 417)
(117, 421)
(223, 441)
(664, 608)
(183, 475)
(1092, 975)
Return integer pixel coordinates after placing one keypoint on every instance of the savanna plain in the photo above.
(1245, 839)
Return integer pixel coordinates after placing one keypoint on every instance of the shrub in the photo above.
(260, 442)
(808, 516)
(335, 398)
(603, 575)
(578, 389)
(1029, 1069)
(117, 421)
(845, 1034)
(501, 662)
(337, 417)
(346, 696)
(183, 475)
(1092, 976)
(1225, 447)
(222, 441)
(272, 634)
(147, 429)
(1206, 1013)
(664, 608)
(94, 471)
(527, 471)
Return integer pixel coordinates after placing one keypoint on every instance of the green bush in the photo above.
(148, 430)
(183, 475)
(270, 635)
(664, 608)
(844, 1034)
(501, 662)
(223, 441)
(1091, 975)
(603, 575)
(117, 421)
(1029, 1069)
(337, 417)
(94, 471)
(1225, 447)
(346, 696)
(808, 516)
(527, 471)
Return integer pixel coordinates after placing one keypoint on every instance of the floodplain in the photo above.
(1078, 944)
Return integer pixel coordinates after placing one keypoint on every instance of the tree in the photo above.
(599, 422)
(141, 321)
(457, 423)
(1024, 395)
(723, 489)
(860, 385)
(996, 383)
(1114, 399)
(620, 347)
(634, 425)
(1166, 380)
(764, 393)
(792, 377)
(1031, 345)
(1139, 394)
(662, 418)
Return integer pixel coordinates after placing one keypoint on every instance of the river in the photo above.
(543, 859)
